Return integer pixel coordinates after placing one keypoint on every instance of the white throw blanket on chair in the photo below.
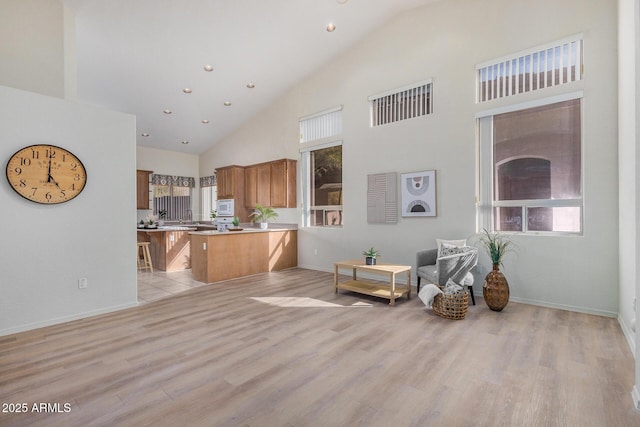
(428, 293)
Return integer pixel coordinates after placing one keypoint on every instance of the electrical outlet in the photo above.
(204, 246)
(82, 283)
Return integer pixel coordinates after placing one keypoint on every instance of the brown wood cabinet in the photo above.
(283, 183)
(257, 185)
(230, 181)
(271, 184)
(142, 189)
(231, 186)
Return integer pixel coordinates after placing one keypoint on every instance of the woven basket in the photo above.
(451, 306)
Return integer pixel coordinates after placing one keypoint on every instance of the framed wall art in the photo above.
(418, 191)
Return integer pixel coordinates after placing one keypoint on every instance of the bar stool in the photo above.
(144, 262)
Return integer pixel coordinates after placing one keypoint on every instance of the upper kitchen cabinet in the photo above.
(283, 183)
(231, 183)
(142, 189)
(257, 185)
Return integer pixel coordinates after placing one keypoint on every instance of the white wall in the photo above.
(629, 174)
(444, 41)
(47, 248)
(165, 162)
(32, 47)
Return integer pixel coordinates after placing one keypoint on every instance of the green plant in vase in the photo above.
(495, 289)
(235, 222)
(262, 215)
(371, 255)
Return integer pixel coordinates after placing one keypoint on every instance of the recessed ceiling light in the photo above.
(331, 28)
(342, 1)
(208, 67)
(144, 134)
(205, 121)
(185, 142)
(186, 90)
(167, 111)
(251, 85)
(227, 103)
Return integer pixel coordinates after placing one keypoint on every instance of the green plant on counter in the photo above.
(213, 214)
(236, 221)
(263, 214)
(162, 214)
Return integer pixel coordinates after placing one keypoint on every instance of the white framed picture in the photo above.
(418, 190)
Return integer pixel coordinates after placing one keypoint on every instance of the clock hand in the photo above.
(54, 181)
(49, 171)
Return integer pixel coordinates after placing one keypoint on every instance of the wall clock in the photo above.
(46, 174)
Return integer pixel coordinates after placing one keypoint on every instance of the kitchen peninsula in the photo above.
(169, 247)
(217, 256)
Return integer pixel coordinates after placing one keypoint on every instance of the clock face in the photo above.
(46, 174)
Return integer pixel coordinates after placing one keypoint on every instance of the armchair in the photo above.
(428, 263)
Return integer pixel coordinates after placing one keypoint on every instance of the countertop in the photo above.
(167, 228)
(249, 229)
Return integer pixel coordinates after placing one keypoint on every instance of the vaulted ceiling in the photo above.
(148, 58)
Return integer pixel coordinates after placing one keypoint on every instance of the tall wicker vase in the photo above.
(496, 289)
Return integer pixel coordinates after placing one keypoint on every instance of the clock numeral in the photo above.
(47, 196)
(22, 183)
(76, 177)
(74, 166)
(25, 161)
(34, 191)
(18, 170)
(51, 153)
(35, 154)
(62, 193)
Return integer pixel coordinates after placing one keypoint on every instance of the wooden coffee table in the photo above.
(389, 291)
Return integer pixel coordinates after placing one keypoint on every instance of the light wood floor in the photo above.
(281, 349)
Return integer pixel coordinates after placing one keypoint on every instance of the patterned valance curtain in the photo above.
(208, 181)
(178, 181)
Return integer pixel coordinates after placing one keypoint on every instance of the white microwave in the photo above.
(225, 207)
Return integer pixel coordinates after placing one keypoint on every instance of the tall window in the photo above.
(208, 196)
(322, 168)
(534, 158)
(172, 195)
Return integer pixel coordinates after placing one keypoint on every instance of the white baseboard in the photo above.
(635, 395)
(567, 307)
(55, 321)
(629, 335)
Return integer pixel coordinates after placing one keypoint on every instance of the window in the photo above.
(544, 66)
(531, 165)
(322, 169)
(400, 104)
(208, 196)
(326, 186)
(324, 124)
(172, 194)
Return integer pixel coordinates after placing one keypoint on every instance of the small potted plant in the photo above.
(370, 256)
(151, 223)
(262, 215)
(213, 215)
(141, 224)
(162, 215)
(236, 224)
